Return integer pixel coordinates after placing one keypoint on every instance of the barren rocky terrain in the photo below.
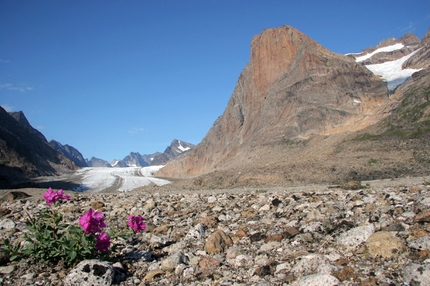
(358, 233)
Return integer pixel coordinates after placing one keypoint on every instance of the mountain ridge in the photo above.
(294, 106)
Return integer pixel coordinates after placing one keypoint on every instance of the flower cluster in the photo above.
(136, 223)
(51, 240)
(93, 223)
(52, 197)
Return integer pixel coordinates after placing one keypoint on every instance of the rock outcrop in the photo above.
(291, 88)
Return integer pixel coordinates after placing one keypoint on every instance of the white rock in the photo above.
(90, 273)
(317, 280)
(355, 236)
(418, 273)
(7, 224)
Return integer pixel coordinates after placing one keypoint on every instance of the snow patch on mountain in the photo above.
(391, 48)
(182, 148)
(392, 71)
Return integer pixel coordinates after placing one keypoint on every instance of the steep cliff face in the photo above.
(291, 88)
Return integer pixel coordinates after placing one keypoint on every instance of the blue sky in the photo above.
(112, 77)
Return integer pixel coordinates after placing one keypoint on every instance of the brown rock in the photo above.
(276, 237)
(210, 222)
(424, 254)
(209, 263)
(414, 189)
(241, 233)
(218, 242)
(384, 244)
(416, 232)
(152, 274)
(161, 229)
(347, 273)
(97, 205)
(290, 232)
(4, 212)
(423, 216)
(15, 195)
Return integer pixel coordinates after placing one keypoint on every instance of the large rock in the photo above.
(218, 242)
(90, 273)
(384, 244)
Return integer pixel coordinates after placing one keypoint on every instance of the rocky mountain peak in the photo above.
(20, 117)
(291, 88)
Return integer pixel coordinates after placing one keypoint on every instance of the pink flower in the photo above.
(136, 223)
(92, 222)
(51, 196)
(103, 242)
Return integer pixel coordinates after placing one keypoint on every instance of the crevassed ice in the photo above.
(98, 179)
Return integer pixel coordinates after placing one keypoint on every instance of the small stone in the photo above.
(4, 212)
(347, 273)
(384, 244)
(151, 275)
(423, 216)
(421, 243)
(210, 222)
(241, 233)
(414, 189)
(218, 242)
(209, 263)
(417, 274)
(7, 224)
(290, 232)
(317, 280)
(90, 272)
(355, 236)
(171, 262)
(161, 229)
(97, 205)
(7, 269)
(14, 195)
(275, 237)
(416, 232)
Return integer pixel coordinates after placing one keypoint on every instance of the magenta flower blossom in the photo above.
(136, 223)
(92, 222)
(51, 196)
(103, 242)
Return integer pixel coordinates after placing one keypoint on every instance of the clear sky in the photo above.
(112, 77)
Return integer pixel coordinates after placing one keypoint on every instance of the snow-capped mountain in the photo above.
(174, 150)
(135, 159)
(388, 57)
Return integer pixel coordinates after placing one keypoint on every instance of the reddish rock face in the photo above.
(291, 88)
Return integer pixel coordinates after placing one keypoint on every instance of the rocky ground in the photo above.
(373, 233)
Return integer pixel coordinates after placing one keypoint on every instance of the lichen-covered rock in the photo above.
(90, 273)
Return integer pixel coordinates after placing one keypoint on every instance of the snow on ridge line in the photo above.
(391, 48)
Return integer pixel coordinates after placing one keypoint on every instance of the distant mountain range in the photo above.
(25, 153)
(176, 149)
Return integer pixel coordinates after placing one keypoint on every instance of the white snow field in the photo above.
(391, 71)
(121, 179)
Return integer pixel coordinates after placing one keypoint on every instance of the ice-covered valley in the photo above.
(120, 179)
